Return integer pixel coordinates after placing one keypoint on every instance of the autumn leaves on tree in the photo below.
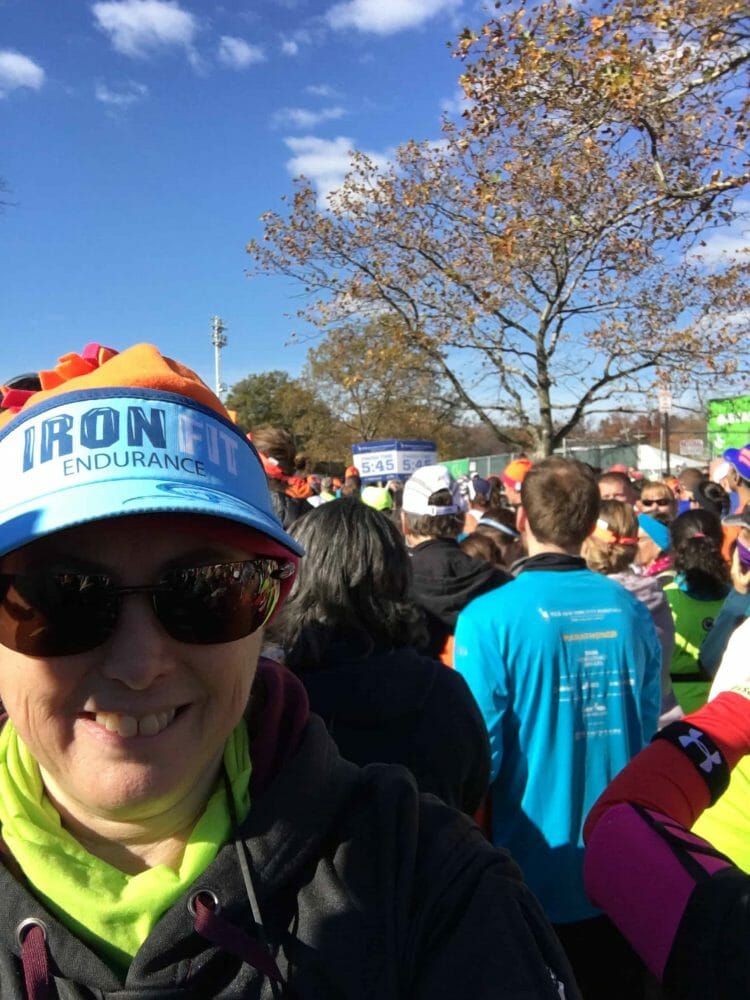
(545, 255)
(355, 386)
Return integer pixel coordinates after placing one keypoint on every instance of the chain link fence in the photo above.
(600, 456)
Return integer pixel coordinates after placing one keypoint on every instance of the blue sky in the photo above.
(142, 139)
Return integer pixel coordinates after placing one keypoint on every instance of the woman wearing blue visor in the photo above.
(174, 821)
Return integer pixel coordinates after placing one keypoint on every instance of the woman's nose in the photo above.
(139, 651)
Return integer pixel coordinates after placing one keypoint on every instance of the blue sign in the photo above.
(393, 458)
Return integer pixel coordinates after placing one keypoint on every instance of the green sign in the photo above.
(457, 467)
(728, 423)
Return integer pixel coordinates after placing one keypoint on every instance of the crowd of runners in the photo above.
(273, 734)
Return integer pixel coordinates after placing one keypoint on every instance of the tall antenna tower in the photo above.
(219, 340)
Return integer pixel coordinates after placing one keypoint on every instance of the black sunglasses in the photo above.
(661, 502)
(60, 614)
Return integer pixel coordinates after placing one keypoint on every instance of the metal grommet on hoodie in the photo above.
(213, 901)
(26, 925)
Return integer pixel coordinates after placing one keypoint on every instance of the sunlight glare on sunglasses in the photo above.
(48, 614)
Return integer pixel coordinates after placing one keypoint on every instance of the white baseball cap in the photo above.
(428, 480)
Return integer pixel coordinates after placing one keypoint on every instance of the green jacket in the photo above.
(693, 620)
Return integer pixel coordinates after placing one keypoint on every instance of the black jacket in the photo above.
(365, 892)
(398, 707)
(287, 509)
(445, 580)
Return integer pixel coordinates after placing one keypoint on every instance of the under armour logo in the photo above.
(710, 759)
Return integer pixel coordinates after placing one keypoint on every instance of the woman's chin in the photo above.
(134, 791)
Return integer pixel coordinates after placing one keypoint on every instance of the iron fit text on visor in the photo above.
(102, 451)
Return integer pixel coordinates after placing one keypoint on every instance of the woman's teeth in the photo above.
(129, 725)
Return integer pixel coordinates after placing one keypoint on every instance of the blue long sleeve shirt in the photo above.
(565, 666)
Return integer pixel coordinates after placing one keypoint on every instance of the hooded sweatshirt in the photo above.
(398, 707)
(362, 890)
(650, 592)
(445, 580)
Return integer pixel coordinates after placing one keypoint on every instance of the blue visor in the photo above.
(103, 453)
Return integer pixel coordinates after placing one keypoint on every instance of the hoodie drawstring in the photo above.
(214, 928)
(203, 906)
(208, 922)
(32, 937)
(255, 951)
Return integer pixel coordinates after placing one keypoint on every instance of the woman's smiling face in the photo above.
(136, 726)
(657, 499)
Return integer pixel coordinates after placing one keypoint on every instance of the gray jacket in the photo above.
(365, 891)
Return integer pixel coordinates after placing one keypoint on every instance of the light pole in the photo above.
(219, 340)
(665, 408)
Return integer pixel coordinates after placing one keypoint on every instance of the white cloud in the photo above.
(739, 318)
(321, 90)
(346, 306)
(383, 17)
(138, 28)
(724, 244)
(305, 118)
(712, 322)
(324, 162)
(291, 44)
(17, 70)
(455, 105)
(121, 96)
(236, 53)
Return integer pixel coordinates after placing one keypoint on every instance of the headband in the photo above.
(604, 533)
(506, 530)
(656, 531)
